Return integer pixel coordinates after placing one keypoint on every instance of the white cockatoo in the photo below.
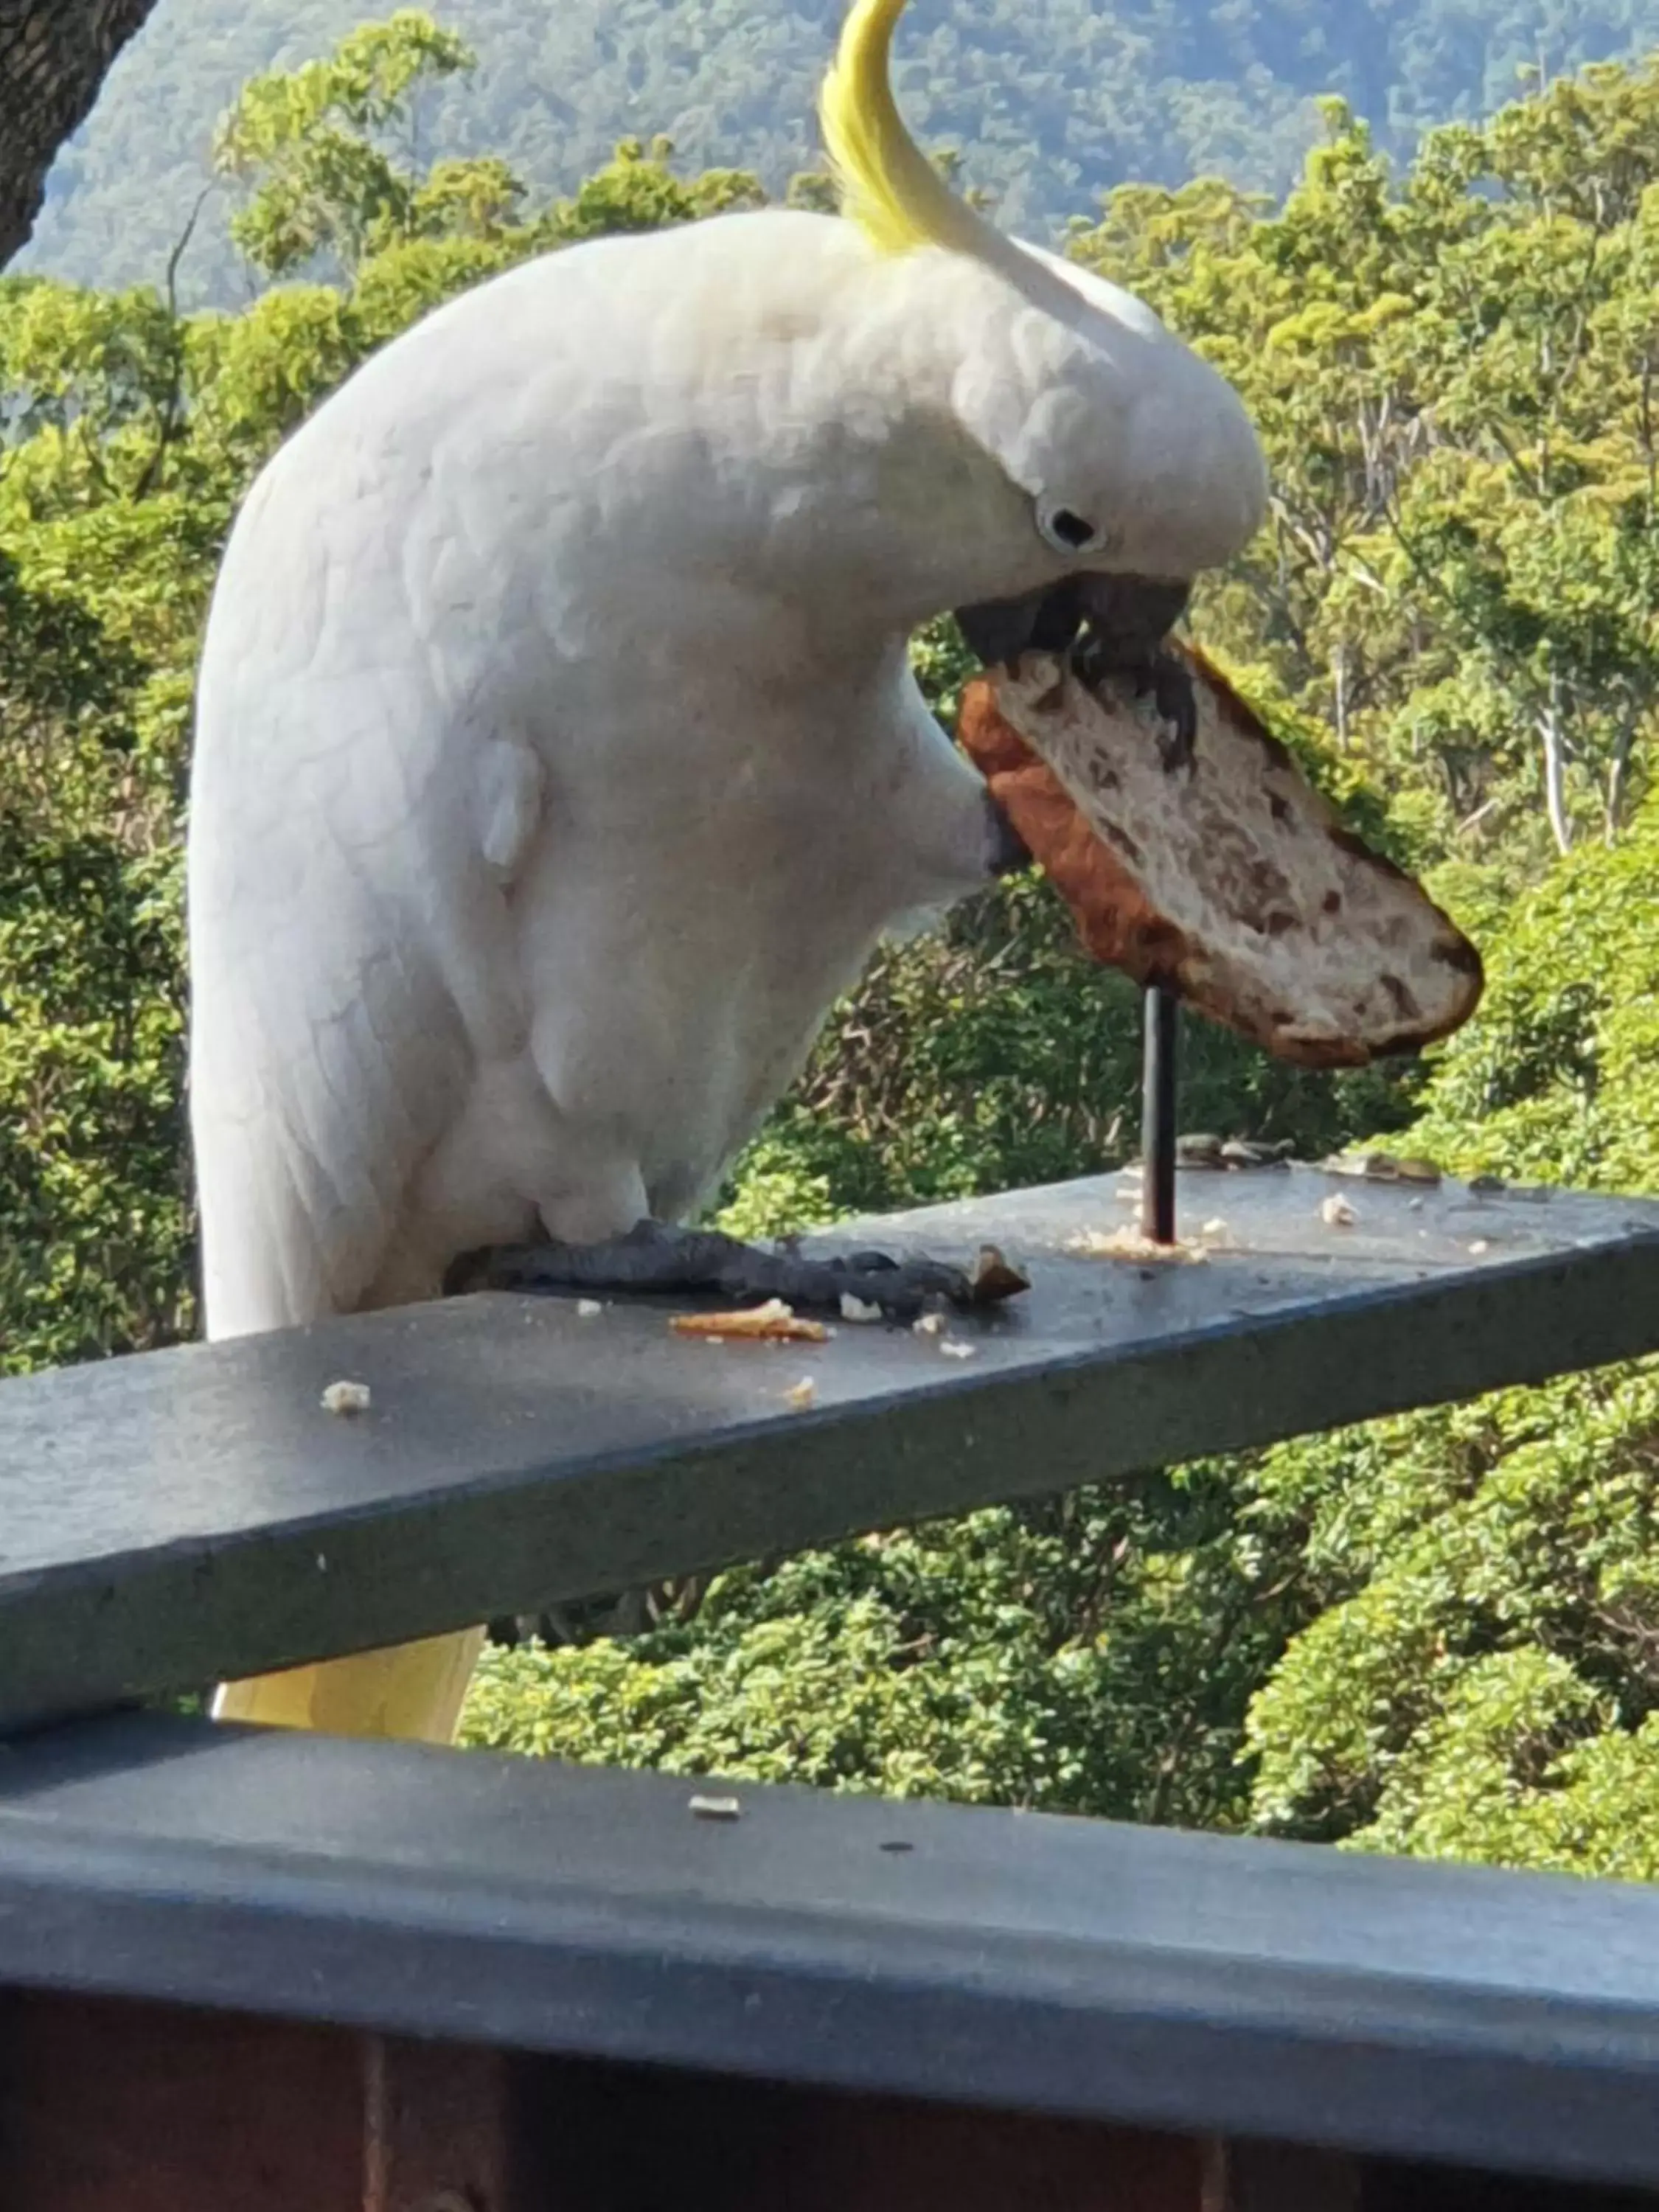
(558, 758)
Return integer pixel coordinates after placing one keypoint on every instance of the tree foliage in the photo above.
(1093, 1654)
(1456, 379)
(1050, 103)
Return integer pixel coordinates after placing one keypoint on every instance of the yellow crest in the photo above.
(887, 187)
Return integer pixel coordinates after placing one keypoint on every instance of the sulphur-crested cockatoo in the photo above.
(558, 761)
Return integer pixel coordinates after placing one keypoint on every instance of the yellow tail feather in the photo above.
(412, 1691)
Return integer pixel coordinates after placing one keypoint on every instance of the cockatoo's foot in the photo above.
(653, 1258)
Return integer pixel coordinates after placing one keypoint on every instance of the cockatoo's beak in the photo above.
(1127, 618)
(1120, 626)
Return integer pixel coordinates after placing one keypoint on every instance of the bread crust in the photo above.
(1228, 880)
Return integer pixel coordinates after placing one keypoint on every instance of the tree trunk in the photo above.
(1339, 688)
(1619, 779)
(53, 56)
(1555, 769)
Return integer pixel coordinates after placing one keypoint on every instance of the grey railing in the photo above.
(172, 1518)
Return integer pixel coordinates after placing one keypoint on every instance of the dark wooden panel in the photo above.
(119, 2108)
(1395, 2188)
(441, 2132)
(635, 2139)
(107, 2105)
(174, 1517)
(1279, 2177)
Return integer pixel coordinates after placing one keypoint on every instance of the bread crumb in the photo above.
(995, 1279)
(346, 1398)
(1478, 1247)
(1337, 1213)
(955, 1349)
(804, 1394)
(588, 1309)
(1213, 1229)
(773, 1322)
(1382, 1167)
(929, 1325)
(1128, 1243)
(716, 1809)
(858, 1310)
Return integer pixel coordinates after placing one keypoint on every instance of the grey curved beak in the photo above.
(1128, 618)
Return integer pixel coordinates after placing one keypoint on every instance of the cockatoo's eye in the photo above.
(1065, 530)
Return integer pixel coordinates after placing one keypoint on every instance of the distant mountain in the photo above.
(1049, 101)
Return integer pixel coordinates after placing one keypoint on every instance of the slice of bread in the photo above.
(1226, 879)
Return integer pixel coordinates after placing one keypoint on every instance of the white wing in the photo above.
(354, 836)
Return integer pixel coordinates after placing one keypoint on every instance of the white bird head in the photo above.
(1117, 451)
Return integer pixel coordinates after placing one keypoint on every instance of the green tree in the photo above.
(326, 183)
(1050, 103)
(1455, 377)
(1095, 1654)
(1481, 1677)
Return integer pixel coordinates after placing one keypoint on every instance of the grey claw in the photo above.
(1173, 696)
(653, 1259)
(1169, 682)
